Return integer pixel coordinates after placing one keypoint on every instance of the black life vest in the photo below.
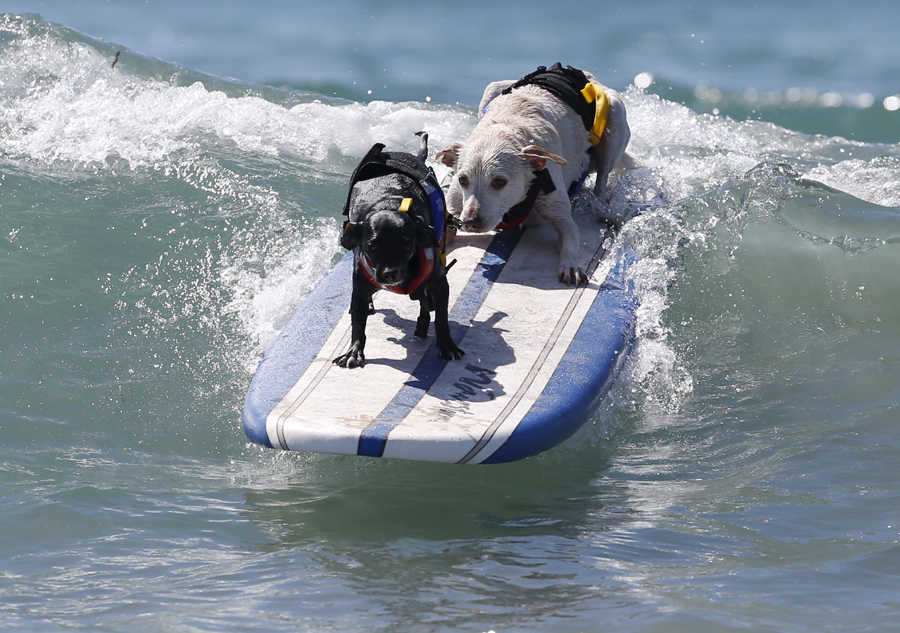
(572, 86)
(377, 163)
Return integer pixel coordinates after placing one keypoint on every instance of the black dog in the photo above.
(396, 216)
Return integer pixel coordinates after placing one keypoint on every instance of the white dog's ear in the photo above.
(538, 157)
(449, 155)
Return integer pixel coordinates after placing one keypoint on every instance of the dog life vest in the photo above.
(589, 101)
(377, 163)
(572, 86)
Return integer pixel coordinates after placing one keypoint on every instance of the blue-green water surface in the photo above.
(161, 219)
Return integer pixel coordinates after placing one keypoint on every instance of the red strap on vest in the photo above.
(426, 267)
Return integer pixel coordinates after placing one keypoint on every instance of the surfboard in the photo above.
(540, 357)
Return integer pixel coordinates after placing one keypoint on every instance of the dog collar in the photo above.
(541, 183)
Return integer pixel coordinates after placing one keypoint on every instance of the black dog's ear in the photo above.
(423, 146)
(352, 236)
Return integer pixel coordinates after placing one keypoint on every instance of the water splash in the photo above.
(228, 201)
(875, 180)
(63, 102)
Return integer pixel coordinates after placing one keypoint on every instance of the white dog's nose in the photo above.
(472, 226)
(470, 218)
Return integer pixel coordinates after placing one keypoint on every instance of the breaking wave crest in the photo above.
(222, 200)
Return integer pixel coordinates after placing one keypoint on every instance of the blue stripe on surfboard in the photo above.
(607, 335)
(373, 439)
(285, 363)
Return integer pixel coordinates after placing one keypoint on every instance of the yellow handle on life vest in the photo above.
(591, 93)
(404, 205)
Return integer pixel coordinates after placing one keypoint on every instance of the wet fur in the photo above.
(520, 132)
(390, 239)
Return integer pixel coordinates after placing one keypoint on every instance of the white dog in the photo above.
(538, 123)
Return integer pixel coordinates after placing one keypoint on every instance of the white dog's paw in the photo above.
(572, 273)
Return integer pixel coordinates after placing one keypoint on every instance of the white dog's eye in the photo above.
(498, 183)
(463, 180)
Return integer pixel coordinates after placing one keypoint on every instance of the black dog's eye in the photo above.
(463, 180)
(498, 183)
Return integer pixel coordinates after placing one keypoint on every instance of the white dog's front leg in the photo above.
(558, 214)
(570, 271)
(611, 149)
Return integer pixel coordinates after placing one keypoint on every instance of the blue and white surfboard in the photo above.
(540, 356)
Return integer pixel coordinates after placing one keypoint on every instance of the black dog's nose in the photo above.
(389, 276)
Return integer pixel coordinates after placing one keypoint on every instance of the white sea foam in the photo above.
(64, 102)
(875, 180)
(269, 281)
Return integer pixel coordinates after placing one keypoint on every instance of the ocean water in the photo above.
(161, 219)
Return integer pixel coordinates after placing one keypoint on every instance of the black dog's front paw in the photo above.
(352, 359)
(449, 351)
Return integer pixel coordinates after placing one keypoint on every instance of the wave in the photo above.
(216, 205)
(863, 116)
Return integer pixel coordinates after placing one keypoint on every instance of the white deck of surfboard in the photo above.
(520, 332)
